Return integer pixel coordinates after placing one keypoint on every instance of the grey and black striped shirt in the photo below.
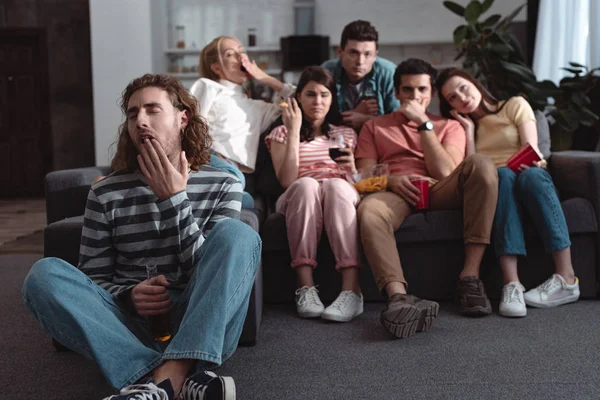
(127, 227)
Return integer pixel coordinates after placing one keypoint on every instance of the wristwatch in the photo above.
(425, 126)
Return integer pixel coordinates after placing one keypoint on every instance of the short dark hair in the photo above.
(361, 31)
(414, 66)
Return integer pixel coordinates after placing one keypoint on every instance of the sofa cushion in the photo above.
(442, 225)
(580, 215)
(543, 131)
(62, 238)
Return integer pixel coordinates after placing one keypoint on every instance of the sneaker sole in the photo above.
(310, 314)
(228, 388)
(477, 311)
(410, 319)
(428, 315)
(341, 318)
(555, 303)
(513, 314)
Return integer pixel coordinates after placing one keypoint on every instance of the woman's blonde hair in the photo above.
(211, 54)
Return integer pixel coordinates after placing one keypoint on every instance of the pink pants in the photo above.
(308, 205)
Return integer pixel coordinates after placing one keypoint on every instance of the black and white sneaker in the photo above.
(207, 385)
(146, 391)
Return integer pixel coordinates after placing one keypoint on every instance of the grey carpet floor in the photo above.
(550, 354)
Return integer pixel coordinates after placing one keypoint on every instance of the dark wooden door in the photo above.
(25, 137)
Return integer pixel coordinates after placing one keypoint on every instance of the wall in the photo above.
(207, 19)
(405, 21)
(129, 37)
(67, 28)
(121, 51)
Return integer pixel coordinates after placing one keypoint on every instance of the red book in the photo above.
(525, 156)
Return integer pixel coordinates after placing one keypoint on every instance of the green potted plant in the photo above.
(493, 55)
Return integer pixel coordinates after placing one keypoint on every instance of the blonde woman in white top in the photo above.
(235, 121)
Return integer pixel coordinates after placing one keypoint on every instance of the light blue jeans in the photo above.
(530, 191)
(207, 317)
(226, 166)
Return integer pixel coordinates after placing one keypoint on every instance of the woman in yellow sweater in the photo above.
(499, 129)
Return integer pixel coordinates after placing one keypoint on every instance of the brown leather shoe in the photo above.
(472, 297)
(406, 314)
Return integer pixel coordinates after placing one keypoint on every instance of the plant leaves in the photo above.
(572, 70)
(563, 121)
(506, 21)
(590, 114)
(577, 65)
(491, 20)
(486, 5)
(473, 11)
(520, 70)
(455, 8)
(459, 34)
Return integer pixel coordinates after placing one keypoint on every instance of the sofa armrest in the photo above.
(577, 174)
(67, 191)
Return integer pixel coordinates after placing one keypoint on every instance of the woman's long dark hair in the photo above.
(333, 117)
(448, 73)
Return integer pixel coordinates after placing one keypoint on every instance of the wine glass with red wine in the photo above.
(335, 146)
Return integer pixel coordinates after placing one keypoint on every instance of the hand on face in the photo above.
(292, 117)
(163, 178)
(251, 68)
(414, 111)
(403, 187)
(151, 297)
(466, 122)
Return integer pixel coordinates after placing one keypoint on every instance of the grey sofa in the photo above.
(66, 194)
(430, 243)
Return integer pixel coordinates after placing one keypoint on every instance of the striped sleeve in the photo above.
(96, 251)
(179, 208)
(278, 135)
(229, 206)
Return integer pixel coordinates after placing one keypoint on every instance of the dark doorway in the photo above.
(25, 137)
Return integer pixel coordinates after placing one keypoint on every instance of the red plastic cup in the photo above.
(423, 186)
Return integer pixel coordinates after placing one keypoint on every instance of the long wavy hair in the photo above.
(195, 139)
(333, 117)
(211, 54)
(448, 73)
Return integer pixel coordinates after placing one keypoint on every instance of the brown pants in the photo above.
(472, 186)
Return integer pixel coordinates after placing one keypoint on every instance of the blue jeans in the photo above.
(206, 318)
(226, 166)
(530, 191)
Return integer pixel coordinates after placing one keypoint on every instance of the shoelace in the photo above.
(471, 288)
(308, 295)
(550, 284)
(194, 390)
(512, 291)
(342, 300)
(147, 391)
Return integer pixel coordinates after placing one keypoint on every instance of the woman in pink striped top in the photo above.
(318, 193)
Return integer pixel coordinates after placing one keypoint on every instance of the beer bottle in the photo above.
(160, 325)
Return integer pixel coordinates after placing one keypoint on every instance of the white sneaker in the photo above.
(148, 391)
(308, 302)
(512, 303)
(346, 307)
(554, 292)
